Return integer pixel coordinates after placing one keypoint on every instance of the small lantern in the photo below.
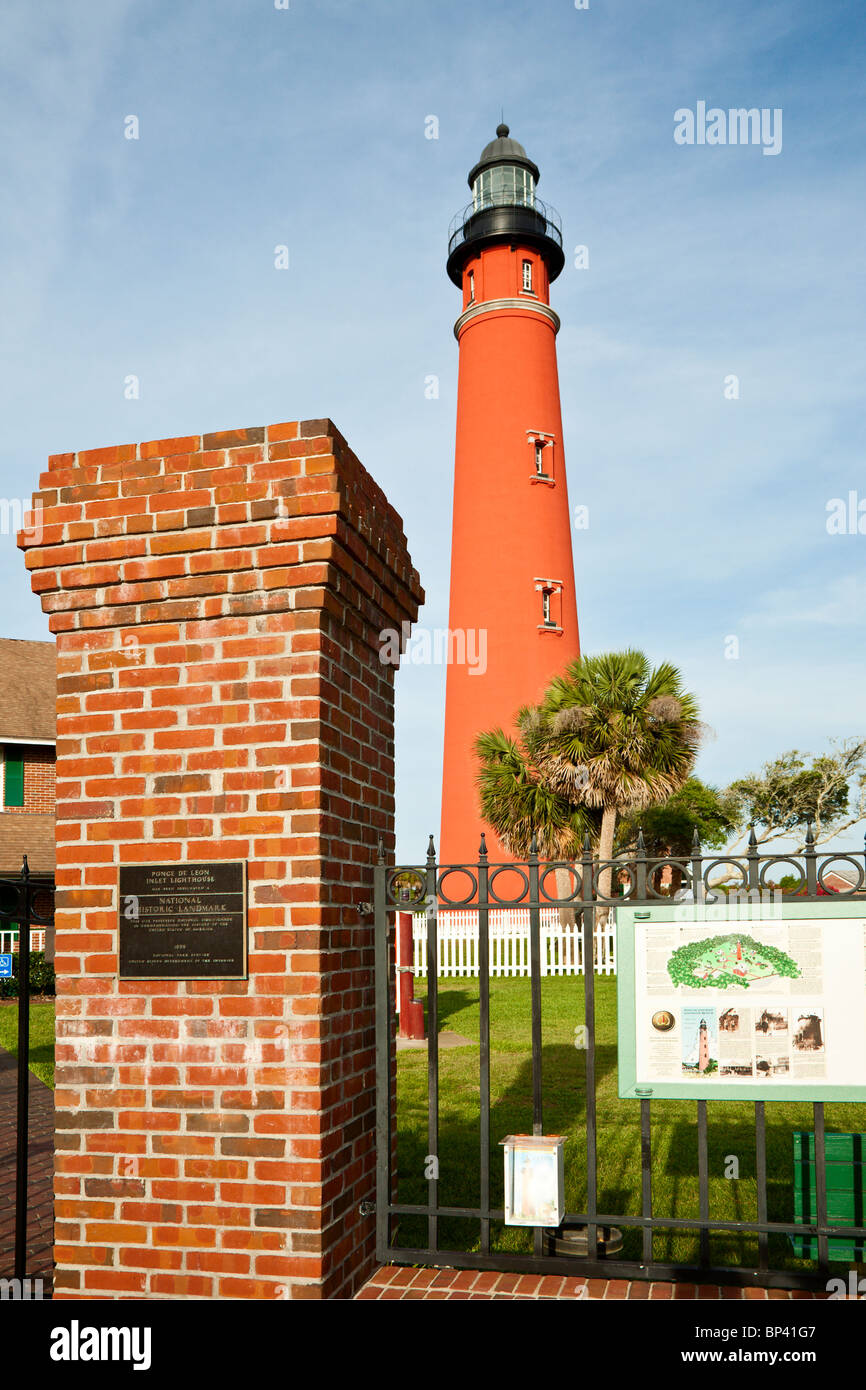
(534, 1179)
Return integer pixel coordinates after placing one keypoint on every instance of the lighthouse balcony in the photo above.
(500, 217)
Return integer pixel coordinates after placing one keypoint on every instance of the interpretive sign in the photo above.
(183, 921)
(5, 967)
(745, 1000)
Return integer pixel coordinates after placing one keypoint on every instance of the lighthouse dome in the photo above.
(504, 150)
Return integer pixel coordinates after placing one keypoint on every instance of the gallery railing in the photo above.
(502, 212)
(636, 879)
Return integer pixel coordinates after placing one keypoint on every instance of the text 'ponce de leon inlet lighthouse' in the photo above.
(512, 572)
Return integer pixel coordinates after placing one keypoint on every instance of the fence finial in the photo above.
(482, 848)
(533, 847)
(810, 838)
(25, 868)
(431, 851)
(587, 843)
(753, 839)
(380, 852)
(696, 842)
(641, 842)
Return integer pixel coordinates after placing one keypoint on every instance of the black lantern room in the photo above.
(504, 208)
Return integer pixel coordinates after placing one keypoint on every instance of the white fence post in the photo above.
(9, 940)
(561, 954)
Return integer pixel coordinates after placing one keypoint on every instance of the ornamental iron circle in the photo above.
(457, 902)
(42, 903)
(714, 864)
(630, 888)
(551, 869)
(12, 900)
(407, 886)
(658, 867)
(508, 869)
(844, 859)
(616, 866)
(782, 859)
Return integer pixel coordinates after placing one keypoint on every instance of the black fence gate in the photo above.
(25, 902)
(636, 880)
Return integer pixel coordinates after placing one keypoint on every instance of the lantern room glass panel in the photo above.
(505, 185)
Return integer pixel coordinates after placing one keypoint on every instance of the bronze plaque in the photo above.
(183, 921)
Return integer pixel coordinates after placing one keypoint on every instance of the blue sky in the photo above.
(306, 127)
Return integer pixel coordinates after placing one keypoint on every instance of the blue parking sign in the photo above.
(5, 967)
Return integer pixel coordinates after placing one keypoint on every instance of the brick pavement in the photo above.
(40, 1215)
(400, 1282)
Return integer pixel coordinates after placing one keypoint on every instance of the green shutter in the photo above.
(13, 778)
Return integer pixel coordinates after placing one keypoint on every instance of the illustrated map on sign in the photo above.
(720, 962)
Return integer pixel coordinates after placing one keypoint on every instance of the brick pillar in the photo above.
(218, 604)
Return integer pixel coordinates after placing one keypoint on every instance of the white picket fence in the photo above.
(508, 936)
(9, 940)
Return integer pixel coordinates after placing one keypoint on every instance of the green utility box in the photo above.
(845, 1164)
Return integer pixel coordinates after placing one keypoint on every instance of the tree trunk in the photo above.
(676, 877)
(564, 888)
(605, 851)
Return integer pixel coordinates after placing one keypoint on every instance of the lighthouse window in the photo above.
(551, 604)
(505, 185)
(527, 276)
(543, 459)
(471, 285)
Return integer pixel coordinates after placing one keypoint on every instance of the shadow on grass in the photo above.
(563, 1070)
(451, 1002)
(674, 1148)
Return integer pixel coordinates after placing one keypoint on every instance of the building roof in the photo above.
(849, 874)
(24, 833)
(502, 150)
(29, 690)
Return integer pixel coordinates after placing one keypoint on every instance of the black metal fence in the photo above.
(25, 902)
(531, 885)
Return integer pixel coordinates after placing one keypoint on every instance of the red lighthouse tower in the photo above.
(512, 602)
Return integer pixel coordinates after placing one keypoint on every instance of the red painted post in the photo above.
(410, 1009)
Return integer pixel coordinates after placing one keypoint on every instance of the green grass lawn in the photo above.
(674, 1128)
(41, 1035)
(674, 1124)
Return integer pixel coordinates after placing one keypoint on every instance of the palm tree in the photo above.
(521, 808)
(615, 735)
(519, 805)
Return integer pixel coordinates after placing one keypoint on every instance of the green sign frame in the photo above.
(717, 917)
